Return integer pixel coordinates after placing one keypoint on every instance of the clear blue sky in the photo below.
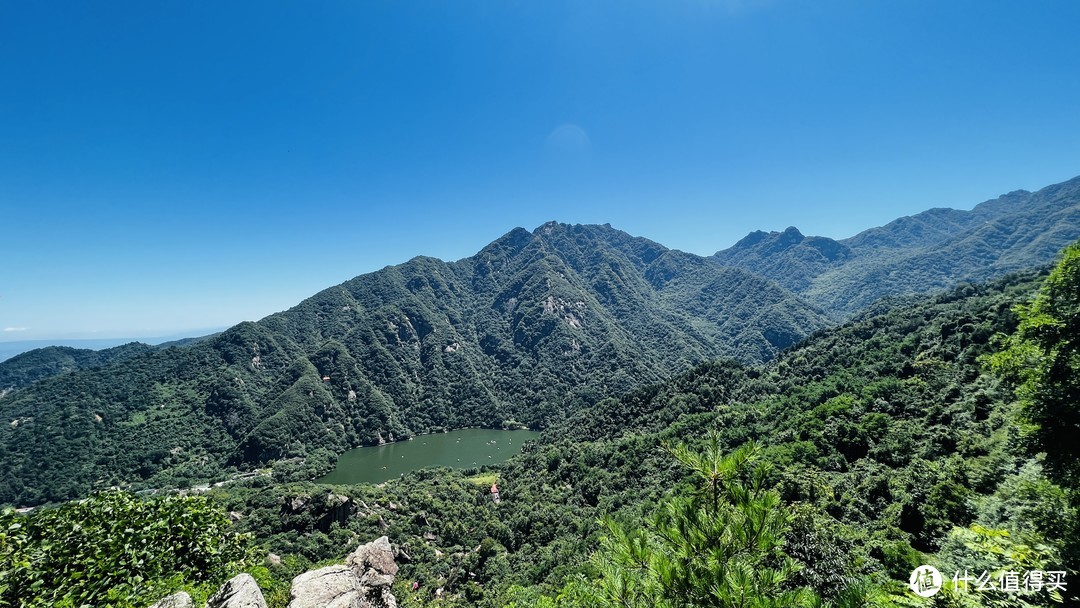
(173, 165)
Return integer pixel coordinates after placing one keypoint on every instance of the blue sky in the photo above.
(168, 166)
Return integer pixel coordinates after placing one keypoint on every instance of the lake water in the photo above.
(459, 449)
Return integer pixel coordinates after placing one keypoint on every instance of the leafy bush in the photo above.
(115, 549)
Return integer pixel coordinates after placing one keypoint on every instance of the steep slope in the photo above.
(931, 250)
(533, 326)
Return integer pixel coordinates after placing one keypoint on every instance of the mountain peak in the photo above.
(788, 257)
(928, 250)
(548, 227)
(791, 234)
(773, 240)
(552, 226)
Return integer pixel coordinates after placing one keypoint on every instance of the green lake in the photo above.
(459, 449)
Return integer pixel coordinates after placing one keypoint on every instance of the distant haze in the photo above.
(9, 349)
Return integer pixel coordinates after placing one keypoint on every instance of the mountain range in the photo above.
(931, 250)
(534, 327)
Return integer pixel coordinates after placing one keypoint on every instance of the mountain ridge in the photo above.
(537, 324)
(534, 325)
(933, 249)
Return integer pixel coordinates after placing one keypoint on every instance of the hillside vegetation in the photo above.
(24, 369)
(907, 436)
(117, 550)
(535, 325)
(890, 442)
(931, 250)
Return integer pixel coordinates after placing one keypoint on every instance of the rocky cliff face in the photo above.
(363, 581)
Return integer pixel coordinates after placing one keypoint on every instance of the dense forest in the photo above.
(535, 325)
(24, 369)
(710, 436)
(893, 441)
(932, 430)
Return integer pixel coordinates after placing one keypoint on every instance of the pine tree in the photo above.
(717, 547)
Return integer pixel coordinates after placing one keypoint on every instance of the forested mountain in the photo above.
(891, 443)
(534, 325)
(30, 366)
(931, 250)
(27, 368)
(930, 430)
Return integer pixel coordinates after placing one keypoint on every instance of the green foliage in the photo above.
(114, 549)
(1043, 359)
(533, 327)
(979, 549)
(24, 369)
(887, 433)
(889, 444)
(884, 436)
(719, 546)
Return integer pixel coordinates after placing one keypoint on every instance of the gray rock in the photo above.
(377, 555)
(329, 587)
(362, 582)
(240, 592)
(176, 600)
(373, 579)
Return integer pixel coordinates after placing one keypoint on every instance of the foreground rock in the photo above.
(362, 582)
(329, 587)
(176, 600)
(240, 592)
(377, 555)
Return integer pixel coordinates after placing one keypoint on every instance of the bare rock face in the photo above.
(362, 582)
(240, 592)
(176, 600)
(329, 587)
(377, 555)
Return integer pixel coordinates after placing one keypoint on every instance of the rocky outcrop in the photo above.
(325, 509)
(362, 582)
(329, 587)
(176, 600)
(240, 592)
(377, 555)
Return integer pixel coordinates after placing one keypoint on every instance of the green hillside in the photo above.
(935, 249)
(932, 431)
(532, 327)
(891, 444)
(24, 369)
